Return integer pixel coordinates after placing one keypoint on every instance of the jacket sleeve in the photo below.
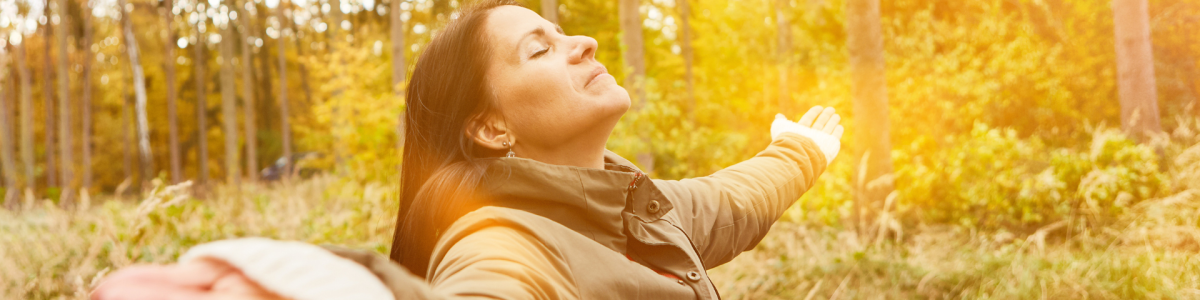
(495, 262)
(731, 210)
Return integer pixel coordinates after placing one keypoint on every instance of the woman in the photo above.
(509, 193)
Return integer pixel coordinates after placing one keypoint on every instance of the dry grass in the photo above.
(798, 262)
(1146, 254)
(47, 253)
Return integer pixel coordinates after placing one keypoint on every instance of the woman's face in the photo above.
(552, 94)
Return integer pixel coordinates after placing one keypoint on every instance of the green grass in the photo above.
(48, 253)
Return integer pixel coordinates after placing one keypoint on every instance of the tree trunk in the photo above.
(1135, 69)
(785, 52)
(302, 66)
(248, 98)
(172, 93)
(634, 55)
(688, 60)
(283, 99)
(26, 111)
(550, 10)
(335, 14)
(265, 58)
(229, 105)
(635, 67)
(48, 101)
(66, 157)
(7, 163)
(139, 91)
(126, 135)
(864, 41)
(338, 109)
(400, 65)
(200, 65)
(86, 100)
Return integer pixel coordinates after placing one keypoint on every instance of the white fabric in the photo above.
(295, 270)
(829, 144)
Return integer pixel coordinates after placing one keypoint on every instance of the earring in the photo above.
(510, 152)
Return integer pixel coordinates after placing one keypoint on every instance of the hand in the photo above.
(196, 279)
(819, 124)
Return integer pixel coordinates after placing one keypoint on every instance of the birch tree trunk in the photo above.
(26, 122)
(139, 91)
(172, 93)
(1135, 69)
(229, 104)
(66, 157)
(283, 98)
(248, 99)
(550, 10)
(864, 41)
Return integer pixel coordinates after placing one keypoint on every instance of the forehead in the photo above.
(506, 25)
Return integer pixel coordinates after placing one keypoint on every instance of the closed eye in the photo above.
(540, 52)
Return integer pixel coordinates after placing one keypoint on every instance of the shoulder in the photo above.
(490, 218)
(496, 233)
(496, 251)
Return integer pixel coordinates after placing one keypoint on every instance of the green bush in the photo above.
(993, 179)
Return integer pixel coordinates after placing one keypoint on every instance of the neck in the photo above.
(584, 156)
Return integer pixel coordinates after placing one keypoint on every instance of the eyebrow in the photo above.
(536, 32)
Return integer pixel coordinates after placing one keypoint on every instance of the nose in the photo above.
(583, 49)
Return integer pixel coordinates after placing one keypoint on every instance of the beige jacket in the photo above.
(560, 232)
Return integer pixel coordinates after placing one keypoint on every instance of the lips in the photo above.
(600, 70)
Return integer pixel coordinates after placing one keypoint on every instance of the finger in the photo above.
(141, 274)
(837, 132)
(824, 118)
(145, 291)
(779, 116)
(832, 124)
(237, 283)
(202, 272)
(809, 116)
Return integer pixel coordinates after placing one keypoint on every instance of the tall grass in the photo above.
(1144, 253)
(1149, 251)
(48, 253)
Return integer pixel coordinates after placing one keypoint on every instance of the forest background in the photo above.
(995, 149)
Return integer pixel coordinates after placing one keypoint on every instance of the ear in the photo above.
(486, 130)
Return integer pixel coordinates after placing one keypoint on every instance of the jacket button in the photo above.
(693, 276)
(652, 207)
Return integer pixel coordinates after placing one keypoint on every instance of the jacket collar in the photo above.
(589, 201)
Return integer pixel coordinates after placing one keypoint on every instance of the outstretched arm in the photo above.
(496, 262)
(731, 210)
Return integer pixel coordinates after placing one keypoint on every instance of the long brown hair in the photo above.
(442, 167)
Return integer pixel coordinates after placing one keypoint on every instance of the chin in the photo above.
(613, 102)
(620, 100)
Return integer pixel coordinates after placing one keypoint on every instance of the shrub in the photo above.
(993, 179)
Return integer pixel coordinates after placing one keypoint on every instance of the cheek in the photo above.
(544, 106)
